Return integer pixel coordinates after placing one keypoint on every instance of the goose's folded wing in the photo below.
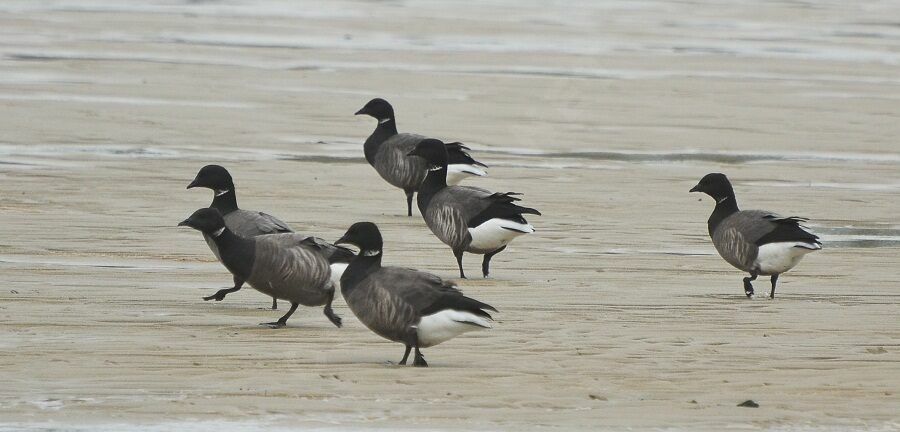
(248, 223)
(502, 206)
(429, 294)
(288, 257)
(788, 230)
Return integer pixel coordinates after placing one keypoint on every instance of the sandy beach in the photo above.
(617, 314)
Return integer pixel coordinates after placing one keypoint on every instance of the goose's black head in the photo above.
(365, 236)
(715, 185)
(378, 108)
(214, 177)
(205, 220)
(433, 151)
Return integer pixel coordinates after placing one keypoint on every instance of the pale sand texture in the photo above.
(616, 314)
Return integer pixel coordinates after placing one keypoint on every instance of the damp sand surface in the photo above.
(615, 315)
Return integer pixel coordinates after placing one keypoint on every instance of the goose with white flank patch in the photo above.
(286, 266)
(407, 306)
(247, 223)
(758, 242)
(386, 150)
(467, 219)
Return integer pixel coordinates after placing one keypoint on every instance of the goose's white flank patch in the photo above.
(457, 172)
(448, 324)
(337, 270)
(777, 258)
(496, 233)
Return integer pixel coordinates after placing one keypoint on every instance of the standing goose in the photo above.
(286, 266)
(755, 241)
(414, 308)
(246, 223)
(467, 219)
(386, 150)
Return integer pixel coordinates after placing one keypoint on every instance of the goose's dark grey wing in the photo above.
(393, 300)
(455, 209)
(246, 223)
(395, 165)
(739, 236)
(379, 308)
(450, 210)
(736, 236)
(503, 206)
(788, 229)
(333, 253)
(291, 266)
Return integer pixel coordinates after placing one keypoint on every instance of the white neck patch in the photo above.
(435, 168)
(371, 252)
(721, 200)
(219, 232)
(220, 192)
(383, 121)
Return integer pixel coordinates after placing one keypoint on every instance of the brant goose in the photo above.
(246, 223)
(386, 150)
(467, 219)
(758, 242)
(287, 266)
(414, 308)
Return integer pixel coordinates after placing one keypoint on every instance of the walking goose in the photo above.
(246, 223)
(286, 266)
(414, 308)
(758, 242)
(467, 219)
(386, 150)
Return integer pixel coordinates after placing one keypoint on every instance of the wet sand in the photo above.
(617, 314)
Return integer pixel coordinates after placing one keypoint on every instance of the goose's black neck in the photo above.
(226, 202)
(238, 253)
(434, 182)
(364, 264)
(383, 131)
(724, 207)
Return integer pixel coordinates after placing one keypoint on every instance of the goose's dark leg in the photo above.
(220, 294)
(336, 320)
(774, 281)
(409, 197)
(283, 320)
(486, 264)
(405, 355)
(420, 359)
(458, 254)
(748, 287)
(274, 303)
